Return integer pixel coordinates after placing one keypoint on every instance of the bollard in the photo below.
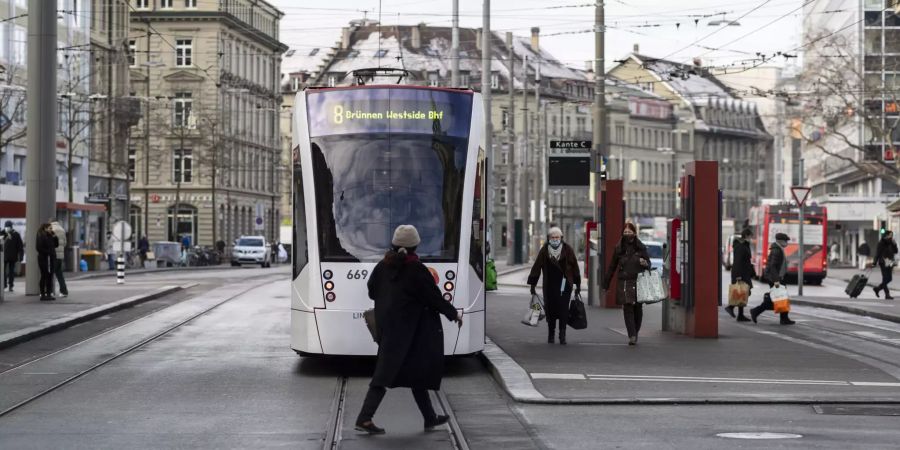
(120, 269)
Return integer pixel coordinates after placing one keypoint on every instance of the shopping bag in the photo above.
(490, 278)
(535, 311)
(650, 287)
(738, 293)
(780, 300)
(577, 314)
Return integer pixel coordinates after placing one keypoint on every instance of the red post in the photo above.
(612, 208)
(703, 318)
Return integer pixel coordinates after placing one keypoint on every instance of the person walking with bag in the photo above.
(45, 244)
(556, 262)
(13, 252)
(408, 330)
(776, 268)
(629, 258)
(741, 270)
(884, 259)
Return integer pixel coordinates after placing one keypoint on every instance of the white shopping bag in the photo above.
(650, 288)
(535, 311)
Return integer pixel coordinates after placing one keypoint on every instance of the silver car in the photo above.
(251, 250)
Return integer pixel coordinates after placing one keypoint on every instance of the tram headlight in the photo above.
(329, 285)
(327, 274)
(448, 296)
(448, 286)
(450, 275)
(330, 296)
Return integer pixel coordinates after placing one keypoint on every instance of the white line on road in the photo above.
(557, 376)
(678, 379)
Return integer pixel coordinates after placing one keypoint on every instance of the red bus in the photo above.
(767, 220)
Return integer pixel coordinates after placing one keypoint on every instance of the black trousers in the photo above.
(45, 265)
(557, 310)
(60, 278)
(767, 305)
(376, 395)
(887, 275)
(634, 314)
(10, 268)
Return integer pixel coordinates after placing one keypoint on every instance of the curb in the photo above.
(849, 309)
(17, 337)
(112, 273)
(516, 382)
(510, 270)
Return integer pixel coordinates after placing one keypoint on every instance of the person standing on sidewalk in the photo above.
(13, 252)
(58, 264)
(408, 330)
(776, 268)
(884, 259)
(741, 269)
(557, 263)
(863, 252)
(143, 248)
(629, 259)
(45, 244)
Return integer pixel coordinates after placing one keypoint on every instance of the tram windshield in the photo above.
(404, 171)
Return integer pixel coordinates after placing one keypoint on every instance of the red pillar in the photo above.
(702, 319)
(612, 208)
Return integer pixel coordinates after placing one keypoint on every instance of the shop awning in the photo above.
(17, 209)
(894, 206)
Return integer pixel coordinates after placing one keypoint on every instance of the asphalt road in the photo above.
(213, 369)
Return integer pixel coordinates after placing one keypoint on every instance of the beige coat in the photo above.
(60, 233)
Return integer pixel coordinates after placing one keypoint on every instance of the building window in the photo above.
(182, 169)
(190, 3)
(183, 106)
(132, 50)
(633, 169)
(464, 79)
(380, 53)
(504, 119)
(132, 153)
(331, 81)
(495, 80)
(184, 51)
(141, 4)
(503, 195)
(165, 4)
(433, 79)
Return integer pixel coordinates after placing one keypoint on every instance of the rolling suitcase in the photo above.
(857, 284)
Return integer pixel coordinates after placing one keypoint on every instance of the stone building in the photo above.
(206, 156)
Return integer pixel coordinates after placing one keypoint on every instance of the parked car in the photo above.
(251, 250)
(657, 253)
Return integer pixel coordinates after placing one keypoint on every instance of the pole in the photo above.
(147, 144)
(454, 47)
(599, 125)
(511, 158)
(486, 89)
(800, 253)
(526, 166)
(40, 179)
(538, 182)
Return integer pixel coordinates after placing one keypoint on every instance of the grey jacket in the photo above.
(60, 233)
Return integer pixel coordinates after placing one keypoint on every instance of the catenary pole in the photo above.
(488, 123)
(511, 158)
(454, 47)
(599, 119)
(525, 205)
(40, 178)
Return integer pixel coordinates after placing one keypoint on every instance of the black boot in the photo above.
(887, 294)
(877, 289)
(438, 421)
(785, 320)
(755, 312)
(730, 310)
(741, 317)
(550, 334)
(369, 427)
(562, 336)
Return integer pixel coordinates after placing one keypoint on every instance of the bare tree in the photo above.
(846, 113)
(12, 106)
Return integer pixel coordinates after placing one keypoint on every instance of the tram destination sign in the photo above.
(584, 146)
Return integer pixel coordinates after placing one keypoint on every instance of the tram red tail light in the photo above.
(448, 286)
(329, 285)
(330, 296)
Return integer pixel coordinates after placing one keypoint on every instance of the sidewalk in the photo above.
(129, 272)
(26, 317)
(845, 274)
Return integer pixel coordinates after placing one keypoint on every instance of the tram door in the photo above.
(300, 248)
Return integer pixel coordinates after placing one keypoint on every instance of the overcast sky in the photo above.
(662, 28)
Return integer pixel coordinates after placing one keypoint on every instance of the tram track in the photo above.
(121, 353)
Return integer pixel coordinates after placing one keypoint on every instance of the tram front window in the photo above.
(368, 184)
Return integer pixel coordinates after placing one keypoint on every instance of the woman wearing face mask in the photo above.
(629, 259)
(556, 262)
(776, 268)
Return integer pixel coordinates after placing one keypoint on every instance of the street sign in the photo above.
(800, 194)
(122, 230)
(568, 171)
(586, 145)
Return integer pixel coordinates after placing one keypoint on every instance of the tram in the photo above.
(369, 158)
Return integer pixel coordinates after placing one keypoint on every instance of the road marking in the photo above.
(759, 435)
(557, 376)
(718, 380)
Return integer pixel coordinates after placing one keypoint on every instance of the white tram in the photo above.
(369, 158)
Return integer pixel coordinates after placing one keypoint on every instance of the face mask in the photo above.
(629, 237)
(555, 243)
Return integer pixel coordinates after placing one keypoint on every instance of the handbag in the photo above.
(738, 293)
(369, 317)
(650, 288)
(535, 311)
(781, 303)
(577, 314)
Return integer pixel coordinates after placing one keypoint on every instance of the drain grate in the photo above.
(858, 410)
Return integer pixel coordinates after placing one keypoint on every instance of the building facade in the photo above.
(207, 154)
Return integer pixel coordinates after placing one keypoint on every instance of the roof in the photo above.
(694, 84)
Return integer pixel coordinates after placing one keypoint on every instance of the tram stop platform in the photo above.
(815, 361)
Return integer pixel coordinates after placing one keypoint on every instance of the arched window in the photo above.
(183, 223)
(136, 219)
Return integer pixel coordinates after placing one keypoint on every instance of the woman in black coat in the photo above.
(557, 263)
(45, 245)
(410, 336)
(741, 269)
(629, 259)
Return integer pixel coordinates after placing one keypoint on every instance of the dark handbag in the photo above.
(369, 317)
(577, 314)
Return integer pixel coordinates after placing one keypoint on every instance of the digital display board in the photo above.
(389, 110)
(569, 171)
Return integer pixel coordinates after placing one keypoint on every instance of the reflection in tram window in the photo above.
(367, 185)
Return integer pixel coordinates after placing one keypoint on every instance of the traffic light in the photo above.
(883, 228)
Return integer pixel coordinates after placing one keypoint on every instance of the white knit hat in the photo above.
(406, 236)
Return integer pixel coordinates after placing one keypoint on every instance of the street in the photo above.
(213, 369)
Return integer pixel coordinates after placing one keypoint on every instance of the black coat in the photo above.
(742, 267)
(776, 264)
(13, 247)
(46, 243)
(626, 262)
(409, 330)
(887, 249)
(553, 271)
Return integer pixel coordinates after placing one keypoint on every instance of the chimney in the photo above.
(345, 38)
(478, 34)
(536, 39)
(589, 66)
(417, 36)
(636, 48)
